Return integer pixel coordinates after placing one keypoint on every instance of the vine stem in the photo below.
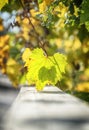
(40, 42)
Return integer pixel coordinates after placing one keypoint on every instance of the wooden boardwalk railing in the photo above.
(50, 109)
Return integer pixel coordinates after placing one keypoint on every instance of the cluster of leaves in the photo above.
(4, 48)
(41, 68)
(65, 28)
(69, 13)
(84, 17)
(70, 32)
(10, 57)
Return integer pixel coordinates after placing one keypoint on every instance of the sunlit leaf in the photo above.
(2, 3)
(26, 54)
(43, 69)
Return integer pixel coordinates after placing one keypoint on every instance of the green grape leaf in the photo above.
(2, 3)
(43, 70)
(84, 17)
(60, 61)
(46, 76)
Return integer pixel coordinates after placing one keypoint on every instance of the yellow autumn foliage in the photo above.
(4, 48)
(13, 71)
(2, 3)
(48, 1)
(82, 87)
(44, 4)
(25, 56)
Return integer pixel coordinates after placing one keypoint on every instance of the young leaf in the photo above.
(44, 70)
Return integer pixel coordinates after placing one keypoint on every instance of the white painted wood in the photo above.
(50, 109)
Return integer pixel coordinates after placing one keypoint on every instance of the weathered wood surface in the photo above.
(50, 109)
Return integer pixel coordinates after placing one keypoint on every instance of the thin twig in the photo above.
(40, 42)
